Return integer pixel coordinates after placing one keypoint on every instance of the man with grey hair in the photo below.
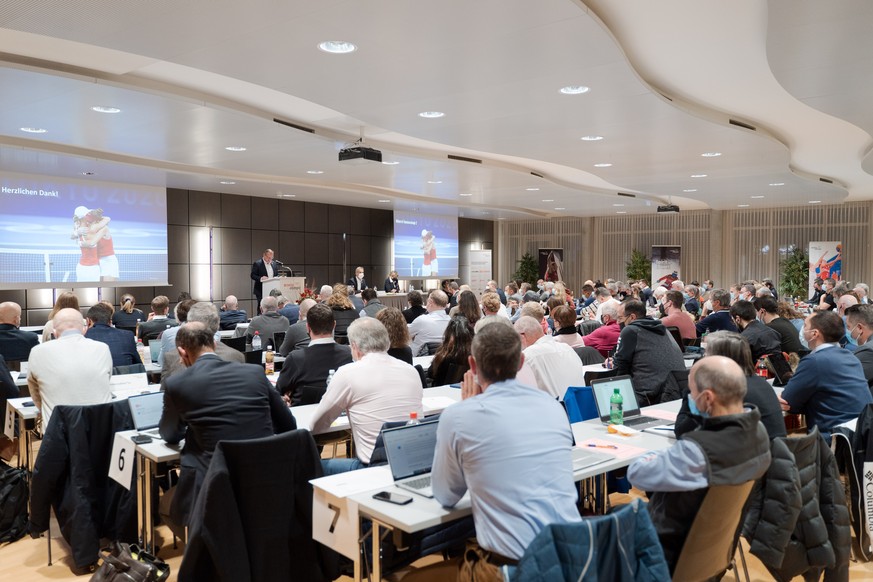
(289, 309)
(605, 295)
(730, 448)
(720, 318)
(431, 327)
(231, 314)
(862, 291)
(859, 321)
(267, 323)
(604, 338)
(73, 370)
(297, 336)
(324, 293)
(550, 365)
(207, 314)
(374, 389)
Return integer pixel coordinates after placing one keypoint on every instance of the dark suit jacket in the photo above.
(353, 282)
(211, 401)
(152, 329)
(309, 367)
(8, 389)
(230, 317)
(295, 338)
(392, 285)
(15, 344)
(259, 269)
(173, 363)
(411, 313)
(292, 312)
(865, 355)
(121, 342)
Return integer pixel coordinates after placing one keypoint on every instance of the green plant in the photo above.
(794, 273)
(639, 266)
(528, 270)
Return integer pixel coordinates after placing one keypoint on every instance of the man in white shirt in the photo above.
(550, 365)
(376, 388)
(605, 295)
(72, 371)
(431, 327)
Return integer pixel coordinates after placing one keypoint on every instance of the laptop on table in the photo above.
(604, 388)
(410, 450)
(146, 410)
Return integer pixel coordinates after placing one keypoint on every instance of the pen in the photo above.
(662, 428)
(603, 446)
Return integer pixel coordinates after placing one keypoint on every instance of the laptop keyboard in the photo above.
(639, 420)
(420, 483)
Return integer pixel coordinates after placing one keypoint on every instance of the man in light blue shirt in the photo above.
(509, 445)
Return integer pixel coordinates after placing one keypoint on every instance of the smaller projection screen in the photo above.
(425, 246)
(59, 232)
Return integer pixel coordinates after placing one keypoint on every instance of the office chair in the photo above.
(589, 376)
(588, 355)
(129, 369)
(432, 347)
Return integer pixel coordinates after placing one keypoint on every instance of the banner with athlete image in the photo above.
(665, 265)
(551, 264)
(825, 262)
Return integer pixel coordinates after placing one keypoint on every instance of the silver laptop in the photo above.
(604, 388)
(410, 451)
(146, 410)
(154, 350)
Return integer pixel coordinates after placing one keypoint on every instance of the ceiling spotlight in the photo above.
(390, 163)
(431, 114)
(227, 182)
(815, 201)
(87, 173)
(710, 154)
(315, 172)
(235, 149)
(777, 184)
(384, 201)
(337, 47)
(690, 190)
(603, 165)
(548, 200)
(743, 205)
(101, 109)
(501, 218)
(466, 194)
(698, 175)
(574, 89)
(33, 130)
(532, 189)
(759, 196)
(434, 181)
(288, 195)
(560, 208)
(618, 204)
(591, 137)
(621, 211)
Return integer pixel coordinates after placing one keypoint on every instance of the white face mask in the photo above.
(360, 276)
(803, 339)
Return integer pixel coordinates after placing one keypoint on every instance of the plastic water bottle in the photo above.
(616, 406)
(269, 366)
(330, 374)
(413, 419)
(256, 341)
(144, 353)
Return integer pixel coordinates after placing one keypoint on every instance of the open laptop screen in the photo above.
(410, 449)
(604, 388)
(146, 410)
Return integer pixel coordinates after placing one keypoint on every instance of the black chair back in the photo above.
(278, 339)
(587, 327)
(237, 343)
(588, 355)
(677, 336)
(130, 369)
(432, 347)
(589, 376)
(312, 394)
(255, 357)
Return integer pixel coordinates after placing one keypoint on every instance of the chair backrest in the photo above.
(587, 327)
(312, 394)
(711, 542)
(278, 339)
(237, 343)
(130, 369)
(341, 339)
(254, 357)
(422, 375)
(588, 355)
(127, 328)
(589, 376)
(432, 347)
(677, 336)
(691, 342)
(580, 405)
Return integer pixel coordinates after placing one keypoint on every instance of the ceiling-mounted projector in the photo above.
(668, 208)
(360, 154)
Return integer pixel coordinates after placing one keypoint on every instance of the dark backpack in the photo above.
(13, 503)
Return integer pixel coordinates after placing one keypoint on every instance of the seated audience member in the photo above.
(398, 334)
(553, 303)
(862, 290)
(548, 364)
(535, 310)
(787, 311)
(450, 360)
(655, 305)
(491, 306)
(762, 340)
(816, 292)
(168, 336)
(207, 314)
(468, 306)
(392, 284)
(478, 442)
(431, 327)
(66, 300)
(73, 370)
(645, 352)
(127, 316)
(492, 287)
(529, 298)
(511, 291)
(372, 305)
(267, 323)
(416, 306)
(768, 311)
(325, 292)
(297, 336)
(15, 344)
(213, 400)
(692, 304)
(827, 302)
(231, 314)
(758, 391)
(358, 283)
(828, 385)
(565, 326)
(731, 447)
(311, 365)
(288, 309)
(720, 318)
(675, 317)
(605, 295)
(859, 321)
(344, 312)
(121, 342)
(158, 322)
(374, 389)
(605, 338)
(8, 389)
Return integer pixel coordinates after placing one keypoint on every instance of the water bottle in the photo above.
(413, 419)
(269, 366)
(616, 402)
(144, 353)
(761, 369)
(256, 341)
(330, 374)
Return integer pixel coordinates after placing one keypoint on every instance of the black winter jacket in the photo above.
(854, 448)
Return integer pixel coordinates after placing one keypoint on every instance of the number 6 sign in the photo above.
(121, 466)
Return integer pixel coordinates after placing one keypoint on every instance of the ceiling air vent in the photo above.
(463, 159)
(294, 125)
(743, 125)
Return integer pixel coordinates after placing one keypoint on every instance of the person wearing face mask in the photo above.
(604, 338)
(763, 340)
(730, 447)
(843, 303)
(859, 321)
(675, 317)
(720, 318)
(692, 300)
(828, 386)
(358, 281)
(768, 312)
(827, 301)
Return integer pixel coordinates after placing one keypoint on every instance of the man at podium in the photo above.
(263, 269)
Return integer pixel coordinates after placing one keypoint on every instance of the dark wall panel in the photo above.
(265, 213)
(316, 249)
(292, 216)
(204, 208)
(338, 218)
(261, 241)
(292, 249)
(177, 244)
(338, 249)
(177, 206)
(236, 245)
(381, 223)
(360, 252)
(360, 221)
(236, 211)
(316, 216)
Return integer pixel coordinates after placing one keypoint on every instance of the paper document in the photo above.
(435, 403)
(621, 450)
(662, 414)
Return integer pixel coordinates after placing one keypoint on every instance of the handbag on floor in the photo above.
(127, 563)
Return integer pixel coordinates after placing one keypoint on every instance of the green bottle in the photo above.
(616, 402)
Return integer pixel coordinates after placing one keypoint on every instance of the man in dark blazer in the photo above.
(310, 366)
(358, 282)
(297, 336)
(15, 343)
(213, 400)
(121, 342)
(720, 319)
(263, 269)
(207, 314)
(151, 329)
(392, 283)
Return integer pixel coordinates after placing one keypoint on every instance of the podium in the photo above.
(290, 287)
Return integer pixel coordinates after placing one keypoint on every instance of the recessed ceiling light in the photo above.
(101, 109)
(777, 183)
(434, 181)
(618, 204)
(228, 182)
(710, 154)
(87, 173)
(815, 201)
(235, 149)
(501, 218)
(698, 175)
(690, 190)
(759, 196)
(560, 208)
(621, 211)
(33, 130)
(431, 114)
(316, 172)
(532, 189)
(743, 205)
(548, 200)
(591, 137)
(384, 201)
(390, 163)
(288, 195)
(486, 213)
(466, 194)
(337, 47)
(574, 89)
(603, 165)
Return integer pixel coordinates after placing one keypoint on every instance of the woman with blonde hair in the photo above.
(65, 300)
(344, 312)
(398, 332)
(127, 315)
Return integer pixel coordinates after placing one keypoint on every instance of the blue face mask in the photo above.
(692, 406)
(733, 296)
(686, 296)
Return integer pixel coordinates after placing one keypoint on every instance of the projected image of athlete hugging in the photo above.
(91, 232)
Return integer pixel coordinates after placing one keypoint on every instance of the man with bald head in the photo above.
(15, 344)
(231, 314)
(731, 447)
(73, 370)
(431, 327)
(267, 323)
